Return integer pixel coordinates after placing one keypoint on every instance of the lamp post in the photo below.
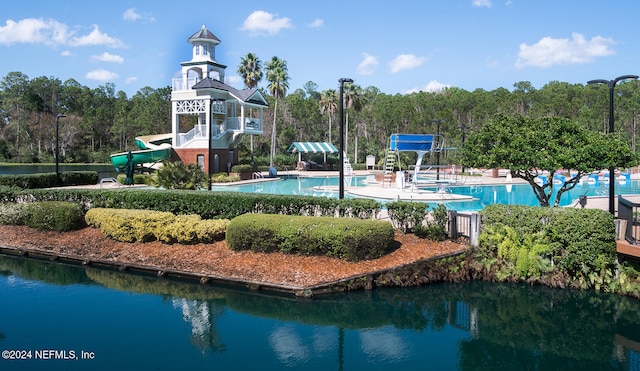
(612, 84)
(341, 180)
(437, 122)
(57, 136)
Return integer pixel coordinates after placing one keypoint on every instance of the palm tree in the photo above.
(350, 100)
(250, 69)
(358, 101)
(278, 84)
(328, 104)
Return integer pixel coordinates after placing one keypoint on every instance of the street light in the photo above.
(438, 122)
(341, 180)
(612, 84)
(57, 154)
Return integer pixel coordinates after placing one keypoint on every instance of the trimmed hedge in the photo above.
(48, 215)
(349, 239)
(147, 225)
(209, 205)
(46, 180)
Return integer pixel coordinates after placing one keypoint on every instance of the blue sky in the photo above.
(397, 46)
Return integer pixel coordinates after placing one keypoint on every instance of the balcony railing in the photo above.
(251, 126)
(178, 85)
(628, 221)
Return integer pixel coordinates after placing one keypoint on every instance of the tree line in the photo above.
(102, 121)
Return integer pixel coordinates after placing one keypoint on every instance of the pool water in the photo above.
(483, 195)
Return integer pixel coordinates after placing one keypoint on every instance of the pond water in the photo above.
(115, 320)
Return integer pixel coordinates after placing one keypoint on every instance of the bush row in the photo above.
(147, 225)
(577, 242)
(351, 240)
(48, 215)
(209, 205)
(46, 180)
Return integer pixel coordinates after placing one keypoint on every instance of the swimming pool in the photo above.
(483, 195)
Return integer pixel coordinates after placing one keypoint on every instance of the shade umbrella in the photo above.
(128, 169)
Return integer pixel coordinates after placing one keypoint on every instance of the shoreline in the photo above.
(216, 264)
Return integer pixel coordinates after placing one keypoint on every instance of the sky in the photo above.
(399, 46)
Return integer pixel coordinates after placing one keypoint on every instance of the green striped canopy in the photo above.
(312, 147)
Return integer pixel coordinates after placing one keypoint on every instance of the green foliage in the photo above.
(128, 225)
(405, 215)
(242, 169)
(435, 227)
(529, 254)
(46, 180)
(53, 216)
(350, 239)
(224, 178)
(580, 242)
(528, 146)
(176, 175)
(137, 178)
(209, 205)
(12, 213)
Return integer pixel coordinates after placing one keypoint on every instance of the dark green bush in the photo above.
(435, 227)
(242, 168)
(406, 215)
(349, 239)
(209, 205)
(46, 180)
(582, 241)
(54, 216)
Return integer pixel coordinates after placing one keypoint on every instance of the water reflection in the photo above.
(469, 326)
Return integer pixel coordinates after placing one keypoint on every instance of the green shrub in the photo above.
(137, 178)
(581, 242)
(209, 205)
(12, 213)
(436, 227)
(145, 225)
(350, 239)
(46, 180)
(242, 169)
(406, 215)
(129, 225)
(53, 216)
(224, 178)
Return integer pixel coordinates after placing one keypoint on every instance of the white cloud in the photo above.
(481, 3)
(549, 51)
(96, 38)
(131, 80)
(368, 65)
(432, 86)
(101, 75)
(65, 53)
(106, 57)
(232, 79)
(34, 31)
(406, 62)
(132, 15)
(317, 23)
(263, 23)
